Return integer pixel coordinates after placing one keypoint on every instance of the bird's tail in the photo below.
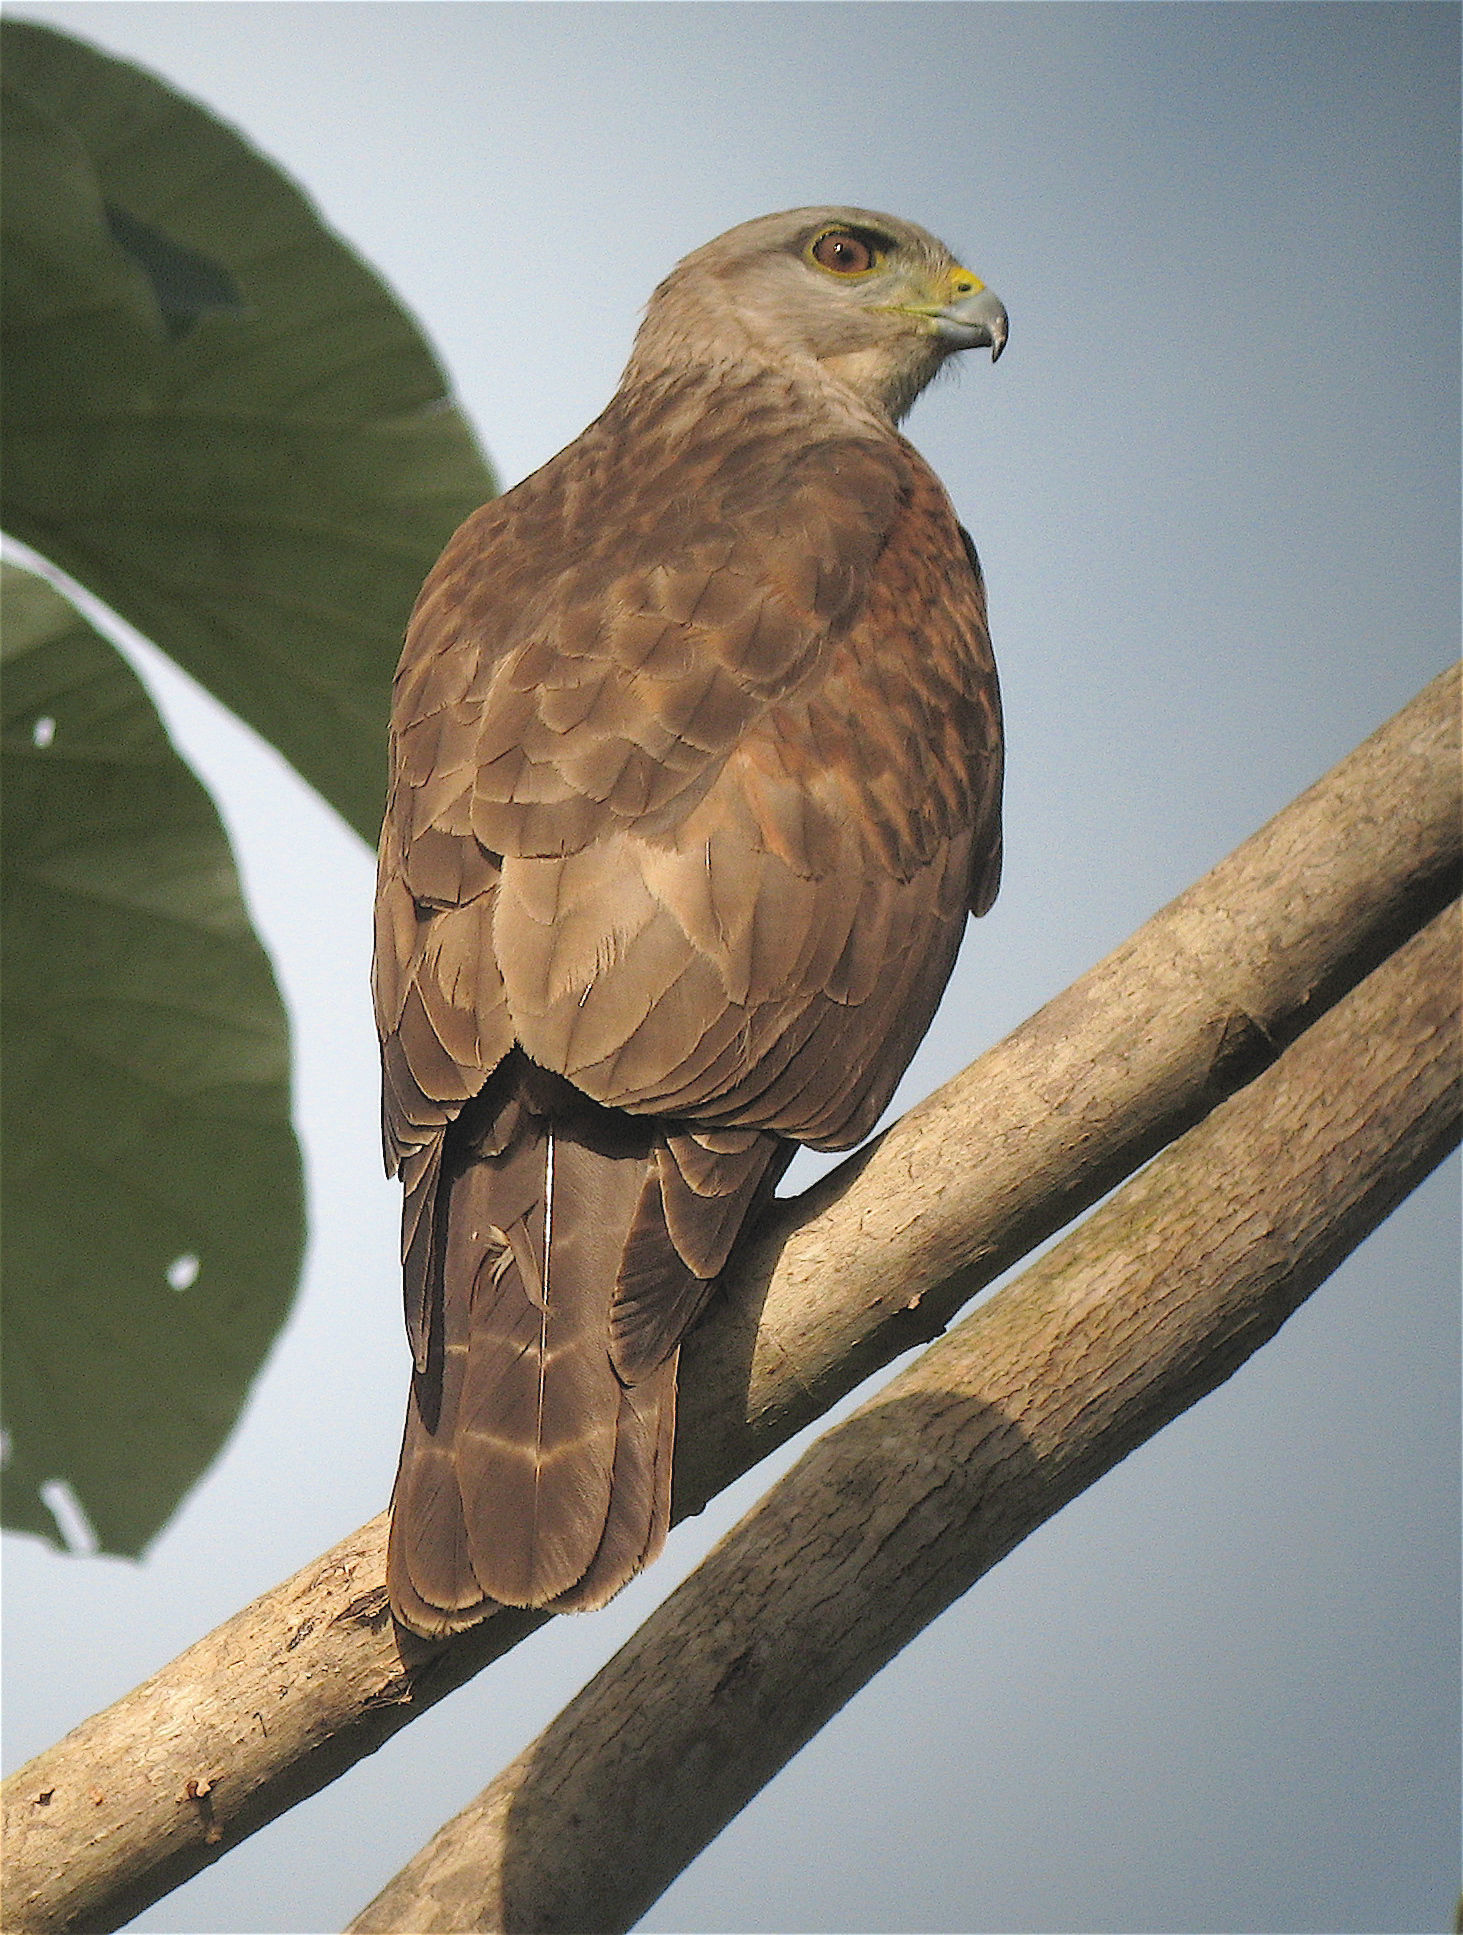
(570, 1246)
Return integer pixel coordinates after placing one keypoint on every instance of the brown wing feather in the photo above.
(696, 767)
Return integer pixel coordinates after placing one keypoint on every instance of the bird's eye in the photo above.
(842, 252)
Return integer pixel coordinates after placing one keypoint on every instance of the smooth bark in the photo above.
(1148, 1305)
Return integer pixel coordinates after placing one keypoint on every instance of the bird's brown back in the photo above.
(696, 766)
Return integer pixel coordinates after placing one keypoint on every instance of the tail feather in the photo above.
(636, 1529)
(539, 1410)
(536, 1465)
(693, 1206)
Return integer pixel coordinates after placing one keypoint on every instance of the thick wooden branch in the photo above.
(1153, 1301)
(284, 1696)
(1192, 1005)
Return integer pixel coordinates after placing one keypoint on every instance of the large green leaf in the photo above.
(215, 415)
(151, 1188)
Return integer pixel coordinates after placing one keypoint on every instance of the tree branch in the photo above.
(283, 1697)
(1205, 994)
(1147, 1306)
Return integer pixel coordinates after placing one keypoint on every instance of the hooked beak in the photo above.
(975, 321)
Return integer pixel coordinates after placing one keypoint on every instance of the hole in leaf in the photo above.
(70, 1516)
(43, 731)
(182, 1272)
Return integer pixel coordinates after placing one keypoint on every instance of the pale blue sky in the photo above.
(1214, 485)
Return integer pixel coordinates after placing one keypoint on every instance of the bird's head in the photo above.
(876, 302)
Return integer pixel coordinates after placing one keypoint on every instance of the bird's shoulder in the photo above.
(901, 733)
(596, 641)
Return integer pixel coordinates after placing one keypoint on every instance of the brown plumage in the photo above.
(695, 773)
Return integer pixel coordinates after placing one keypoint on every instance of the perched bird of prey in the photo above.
(695, 773)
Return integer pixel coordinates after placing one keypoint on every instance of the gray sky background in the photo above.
(1214, 486)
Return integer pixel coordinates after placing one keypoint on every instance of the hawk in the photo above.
(695, 774)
